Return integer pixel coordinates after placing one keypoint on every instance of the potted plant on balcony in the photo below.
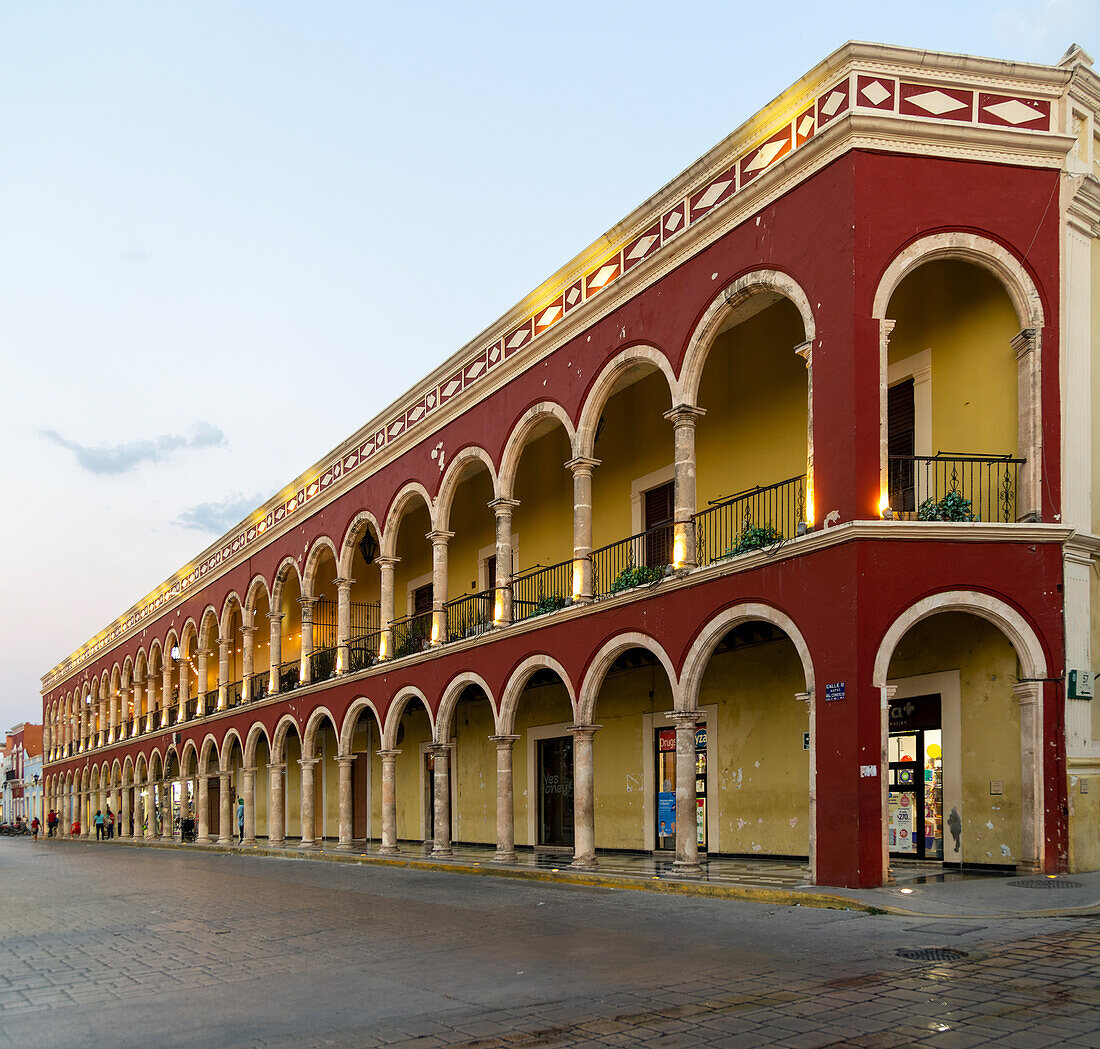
(638, 575)
(952, 507)
(753, 537)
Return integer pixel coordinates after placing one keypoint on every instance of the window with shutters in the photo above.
(900, 437)
(422, 599)
(658, 525)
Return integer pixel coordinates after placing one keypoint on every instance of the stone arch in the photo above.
(309, 733)
(320, 544)
(127, 671)
(209, 621)
(716, 314)
(232, 600)
(278, 737)
(347, 729)
(400, 504)
(255, 734)
(127, 771)
(519, 436)
(286, 566)
(517, 681)
(231, 737)
(604, 386)
(190, 750)
(209, 744)
(1010, 622)
(252, 595)
(362, 520)
(455, 687)
(709, 637)
(396, 708)
(600, 664)
(458, 468)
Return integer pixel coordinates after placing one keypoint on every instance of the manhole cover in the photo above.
(930, 954)
(1045, 883)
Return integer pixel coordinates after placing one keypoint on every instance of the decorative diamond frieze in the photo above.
(1027, 114)
(876, 92)
(941, 103)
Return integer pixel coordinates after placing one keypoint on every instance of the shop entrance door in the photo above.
(214, 806)
(915, 756)
(665, 744)
(555, 775)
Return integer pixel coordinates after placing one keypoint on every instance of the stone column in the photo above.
(203, 805)
(223, 672)
(83, 724)
(201, 683)
(226, 805)
(388, 568)
(1029, 696)
(1029, 408)
(123, 825)
(584, 824)
(389, 800)
(439, 541)
(185, 790)
(150, 703)
(506, 816)
(805, 351)
(103, 708)
(165, 791)
(343, 623)
(441, 798)
(276, 829)
(309, 816)
(276, 644)
(345, 763)
(687, 842)
(248, 634)
(582, 468)
(112, 724)
(248, 789)
(305, 673)
(502, 599)
(683, 418)
(166, 692)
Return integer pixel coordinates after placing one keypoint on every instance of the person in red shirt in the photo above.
(34, 828)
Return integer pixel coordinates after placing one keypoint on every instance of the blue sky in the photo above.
(232, 232)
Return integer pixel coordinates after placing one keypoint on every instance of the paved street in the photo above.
(120, 947)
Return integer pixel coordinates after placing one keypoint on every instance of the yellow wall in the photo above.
(292, 802)
(964, 316)
(474, 526)
(292, 619)
(474, 806)
(543, 521)
(410, 779)
(261, 639)
(1095, 391)
(539, 705)
(754, 391)
(262, 788)
(990, 725)
(415, 552)
(1084, 819)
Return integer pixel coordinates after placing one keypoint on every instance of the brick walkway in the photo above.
(134, 947)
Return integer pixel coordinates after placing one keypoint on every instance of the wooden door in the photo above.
(214, 816)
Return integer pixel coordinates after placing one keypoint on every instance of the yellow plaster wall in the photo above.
(634, 441)
(292, 805)
(543, 521)
(327, 781)
(1094, 615)
(961, 313)
(474, 807)
(415, 552)
(292, 620)
(262, 789)
(261, 639)
(754, 391)
(410, 779)
(1084, 823)
(990, 725)
(474, 527)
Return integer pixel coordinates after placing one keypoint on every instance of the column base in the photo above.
(226, 841)
(249, 842)
(388, 850)
(584, 863)
(345, 846)
(504, 857)
(203, 839)
(687, 868)
(1030, 867)
(445, 851)
(312, 844)
(276, 841)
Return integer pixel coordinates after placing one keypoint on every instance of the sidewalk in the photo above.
(925, 890)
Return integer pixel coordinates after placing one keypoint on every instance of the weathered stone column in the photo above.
(584, 808)
(441, 798)
(150, 703)
(805, 351)
(345, 764)
(248, 633)
(343, 623)
(112, 719)
(1029, 696)
(1029, 427)
(122, 828)
(687, 841)
(202, 682)
(223, 672)
(185, 690)
(203, 806)
(185, 791)
(165, 791)
(166, 692)
(306, 666)
(309, 816)
(389, 800)
(248, 792)
(439, 541)
(506, 815)
(388, 568)
(502, 599)
(103, 709)
(582, 468)
(276, 821)
(276, 646)
(227, 825)
(683, 418)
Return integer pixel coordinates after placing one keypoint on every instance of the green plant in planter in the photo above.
(754, 537)
(548, 604)
(637, 576)
(952, 507)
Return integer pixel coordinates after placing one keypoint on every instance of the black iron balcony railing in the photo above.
(951, 486)
(210, 701)
(755, 519)
(411, 634)
(191, 709)
(290, 675)
(634, 561)
(363, 651)
(469, 615)
(322, 664)
(234, 693)
(541, 590)
(258, 685)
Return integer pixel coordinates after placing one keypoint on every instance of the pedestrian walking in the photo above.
(99, 822)
(74, 830)
(34, 828)
(240, 821)
(51, 823)
(110, 823)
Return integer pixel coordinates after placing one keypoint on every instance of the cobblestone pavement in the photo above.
(112, 947)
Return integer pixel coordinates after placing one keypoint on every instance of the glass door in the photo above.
(665, 743)
(555, 769)
(906, 817)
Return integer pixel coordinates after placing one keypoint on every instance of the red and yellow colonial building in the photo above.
(766, 527)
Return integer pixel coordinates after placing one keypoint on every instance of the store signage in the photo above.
(1080, 684)
(701, 738)
(834, 690)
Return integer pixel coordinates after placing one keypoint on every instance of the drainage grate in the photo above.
(1045, 883)
(930, 954)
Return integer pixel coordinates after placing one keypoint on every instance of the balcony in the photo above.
(953, 487)
(363, 651)
(469, 616)
(411, 634)
(258, 685)
(322, 664)
(540, 590)
(290, 675)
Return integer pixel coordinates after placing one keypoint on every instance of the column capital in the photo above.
(386, 561)
(504, 740)
(248, 631)
(388, 754)
(678, 716)
(803, 697)
(805, 351)
(1027, 692)
(224, 774)
(310, 762)
(438, 537)
(343, 584)
(345, 759)
(888, 692)
(248, 770)
(582, 464)
(584, 730)
(684, 414)
(275, 617)
(307, 602)
(502, 507)
(225, 641)
(885, 327)
(440, 748)
(276, 766)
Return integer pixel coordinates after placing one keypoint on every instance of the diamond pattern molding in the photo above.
(870, 92)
